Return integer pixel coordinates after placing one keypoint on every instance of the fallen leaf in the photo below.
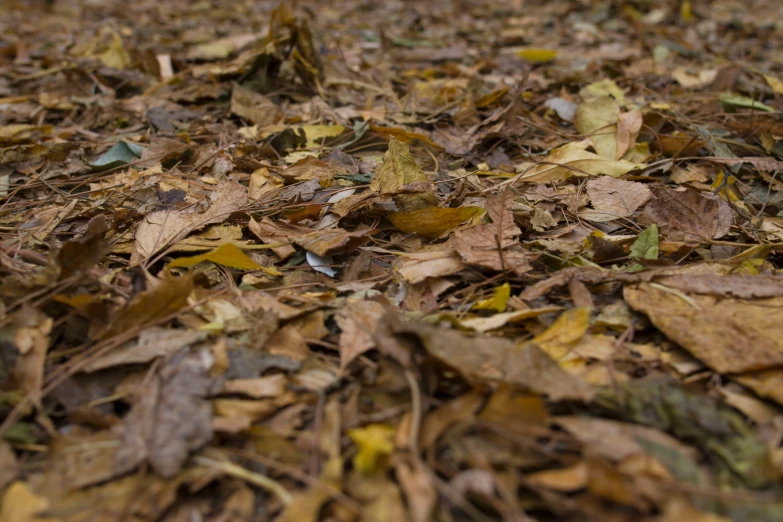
(565, 332)
(122, 153)
(161, 228)
(357, 321)
(254, 106)
(170, 418)
(572, 478)
(596, 118)
(165, 297)
(614, 198)
(498, 301)
(432, 222)
(79, 255)
(226, 254)
(689, 214)
(399, 169)
(433, 261)
(325, 242)
(573, 160)
(493, 246)
(495, 360)
(374, 442)
(152, 343)
(646, 245)
(21, 504)
(714, 330)
(537, 55)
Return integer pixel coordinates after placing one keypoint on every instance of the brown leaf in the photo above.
(165, 297)
(495, 360)
(308, 168)
(433, 261)
(254, 107)
(729, 335)
(272, 233)
(170, 419)
(493, 245)
(689, 214)
(731, 285)
(28, 331)
(357, 321)
(79, 255)
(152, 343)
(161, 228)
(614, 198)
(432, 222)
(324, 242)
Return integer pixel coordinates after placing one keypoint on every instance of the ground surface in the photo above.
(401, 261)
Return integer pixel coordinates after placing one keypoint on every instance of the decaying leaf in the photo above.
(614, 198)
(495, 360)
(161, 228)
(400, 169)
(715, 330)
(170, 417)
(573, 160)
(166, 296)
(689, 215)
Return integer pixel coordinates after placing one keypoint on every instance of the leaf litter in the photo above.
(391, 261)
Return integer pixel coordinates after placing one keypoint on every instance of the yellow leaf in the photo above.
(399, 169)
(686, 11)
(537, 55)
(316, 133)
(605, 87)
(227, 254)
(432, 221)
(558, 339)
(498, 301)
(20, 504)
(374, 441)
(775, 84)
(596, 118)
(573, 160)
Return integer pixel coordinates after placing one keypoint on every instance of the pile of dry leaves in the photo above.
(391, 261)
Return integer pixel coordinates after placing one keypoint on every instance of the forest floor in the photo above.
(391, 261)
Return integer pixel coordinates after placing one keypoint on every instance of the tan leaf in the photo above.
(495, 360)
(308, 168)
(324, 242)
(254, 106)
(628, 126)
(161, 228)
(358, 321)
(573, 160)
(274, 233)
(716, 331)
(614, 198)
(434, 261)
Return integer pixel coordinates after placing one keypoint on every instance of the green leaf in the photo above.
(737, 100)
(121, 154)
(646, 245)
(228, 255)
